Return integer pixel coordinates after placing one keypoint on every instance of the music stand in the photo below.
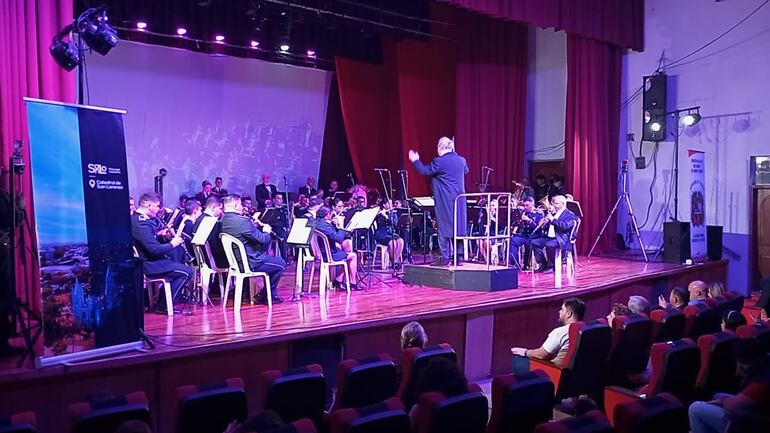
(344, 196)
(299, 236)
(574, 207)
(364, 220)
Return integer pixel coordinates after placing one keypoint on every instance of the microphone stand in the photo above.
(404, 175)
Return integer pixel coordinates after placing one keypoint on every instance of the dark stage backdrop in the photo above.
(201, 116)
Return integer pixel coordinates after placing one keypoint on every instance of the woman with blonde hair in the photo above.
(413, 335)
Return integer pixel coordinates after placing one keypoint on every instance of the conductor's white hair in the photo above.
(446, 143)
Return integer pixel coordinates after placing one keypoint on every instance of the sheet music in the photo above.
(362, 219)
(204, 230)
(425, 201)
(300, 232)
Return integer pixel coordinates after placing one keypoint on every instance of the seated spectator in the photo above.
(265, 420)
(413, 335)
(698, 292)
(732, 319)
(715, 288)
(617, 309)
(440, 375)
(749, 410)
(639, 305)
(556, 345)
(133, 426)
(678, 298)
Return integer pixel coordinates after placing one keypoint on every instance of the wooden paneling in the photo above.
(763, 231)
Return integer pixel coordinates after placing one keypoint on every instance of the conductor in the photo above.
(447, 173)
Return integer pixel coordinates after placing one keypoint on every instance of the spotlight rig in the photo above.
(92, 29)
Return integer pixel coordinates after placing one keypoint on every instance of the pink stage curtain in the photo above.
(592, 127)
(618, 22)
(26, 69)
(492, 68)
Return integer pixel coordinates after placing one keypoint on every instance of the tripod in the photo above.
(626, 197)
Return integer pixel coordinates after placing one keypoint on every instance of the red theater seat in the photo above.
(592, 422)
(210, 408)
(717, 364)
(23, 422)
(361, 382)
(630, 348)
(667, 325)
(701, 319)
(106, 416)
(675, 367)
(296, 393)
(759, 330)
(735, 300)
(415, 359)
(657, 414)
(465, 413)
(582, 371)
(300, 426)
(520, 402)
(385, 417)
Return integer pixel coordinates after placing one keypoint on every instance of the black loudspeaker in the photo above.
(714, 242)
(676, 241)
(654, 107)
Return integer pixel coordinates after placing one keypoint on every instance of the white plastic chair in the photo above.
(207, 269)
(319, 242)
(571, 256)
(153, 284)
(237, 275)
(382, 250)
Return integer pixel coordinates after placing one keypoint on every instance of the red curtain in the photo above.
(492, 68)
(618, 22)
(26, 30)
(592, 128)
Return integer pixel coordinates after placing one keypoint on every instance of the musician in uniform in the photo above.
(386, 234)
(524, 226)
(218, 190)
(264, 191)
(281, 224)
(204, 193)
(555, 230)
(161, 258)
(255, 242)
(213, 210)
(336, 237)
(333, 185)
(447, 173)
(309, 187)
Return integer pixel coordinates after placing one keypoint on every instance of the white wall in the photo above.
(729, 80)
(546, 94)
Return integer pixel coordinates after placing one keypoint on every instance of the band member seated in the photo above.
(335, 237)
(309, 187)
(387, 220)
(205, 193)
(248, 206)
(162, 255)
(183, 199)
(333, 185)
(213, 210)
(302, 203)
(542, 188)
(256, 243)
(556, 228)
(360, 236)
(523, 231)
(557, 185)
(339, 222)
(192, 213)
(131, 206)
(495, 227)
(312, 208)
(218, 190)
(264, 191)
(281, 225)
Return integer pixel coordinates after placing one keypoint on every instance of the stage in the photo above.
(214, 343)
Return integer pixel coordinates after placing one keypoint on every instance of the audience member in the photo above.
(413, 335)
(617, 309)
(133, 426)
(639, 305)
(747, 411)
(556, 345)
(678, 298)
(440, 375)
(732, 319)
(698, 292)
(715, 288)
(263, 421)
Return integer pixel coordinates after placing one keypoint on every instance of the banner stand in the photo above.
(71, 358)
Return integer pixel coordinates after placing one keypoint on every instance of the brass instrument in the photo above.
(518, 190)
(545, 205)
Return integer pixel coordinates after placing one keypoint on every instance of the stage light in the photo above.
(311, 53)
(219, 39)
(254, 44)
(98, 34)
(284, 47)
(66, 54)
(691, 119)
(181, 31)
(141, 26)
(655, 126)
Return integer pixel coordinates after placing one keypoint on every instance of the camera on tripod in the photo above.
(17, 159)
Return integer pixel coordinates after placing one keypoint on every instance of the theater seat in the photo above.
(106, 416)
(701, 319)
(296, 393)
(415, 359)
(630, 348)
(465, 413)
(759, 330)
(520, 402)
(210, 408)
(667, 325)
(582, 371)
(301, 426)
(361, 382)
(717, 365)
(675, 368)
(592, 422)
(23, 422)
(385, 417)
(735, 300)
(657, 414)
